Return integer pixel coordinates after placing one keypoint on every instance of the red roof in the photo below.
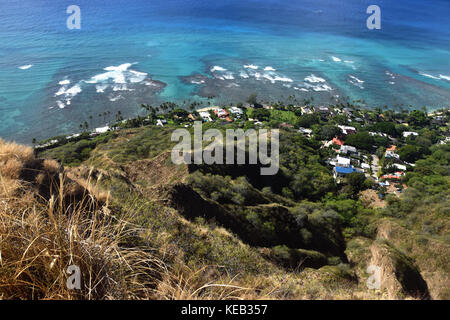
(391, 148)
(337, 141)
(395, 176)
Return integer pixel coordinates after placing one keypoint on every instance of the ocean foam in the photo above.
(60, 104)
(283, 79)
(318, 88)
(229, 76)
(197, 82)
(217, 68)
(355, 81)
(25, 67)
(101, 88)
(251, 66)
(269, 68)
(112, 99)
(429, 76)
(444, 77)
(314, 79)
(117, 77)
(243, 75)
(336, 59)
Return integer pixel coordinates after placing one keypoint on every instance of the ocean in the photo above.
(52, 79)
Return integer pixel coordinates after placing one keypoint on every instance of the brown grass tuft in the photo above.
(38, 242)
(13, 157)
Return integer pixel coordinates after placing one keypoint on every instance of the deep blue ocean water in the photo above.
(136, 51)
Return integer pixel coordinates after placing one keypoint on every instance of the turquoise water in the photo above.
(52, 79)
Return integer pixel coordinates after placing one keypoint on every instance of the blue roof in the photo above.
(345, 170)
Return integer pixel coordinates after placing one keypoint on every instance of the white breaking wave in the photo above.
(197, 82)
(355, 81)
(67, 92)
(60, 104)
(64, 82)
(229, 76)
(112, 99)
(336, 59)
(269, 68)
(251, 66)
(25, 67)
(118, 78)
(218, 68)
(318, 88)
(429, 76)
(440, 77)
(243, 75)
(390, 74)
(101, 88)
(314, 79)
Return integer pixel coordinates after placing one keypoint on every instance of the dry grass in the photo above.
(38, 242)
(41, 237)
(13, 157)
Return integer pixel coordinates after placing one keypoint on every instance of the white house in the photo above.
(391, 154)
(399, 166)
(305, 131)
(409, 133)
(347, 129)
(101, 129)
(236, 111)
(342, 162)
(205, 115)
(348, 150)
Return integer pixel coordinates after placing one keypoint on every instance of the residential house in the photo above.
(399, 166)
(205, 116)
(341, 162)
(341, 172)
(393, 177)
(337, 142)
(305, 131)
(101, 130)
(349, 150)
(390, 153)
(221, 113)
(409, 133)
(237, 112)
(161, 122)
(346, 130)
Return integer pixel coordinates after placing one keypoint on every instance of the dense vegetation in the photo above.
(300, 226)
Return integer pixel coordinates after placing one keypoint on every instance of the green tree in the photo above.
(417, 118)
(308, 120)
(361, 140)
(409, 153)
